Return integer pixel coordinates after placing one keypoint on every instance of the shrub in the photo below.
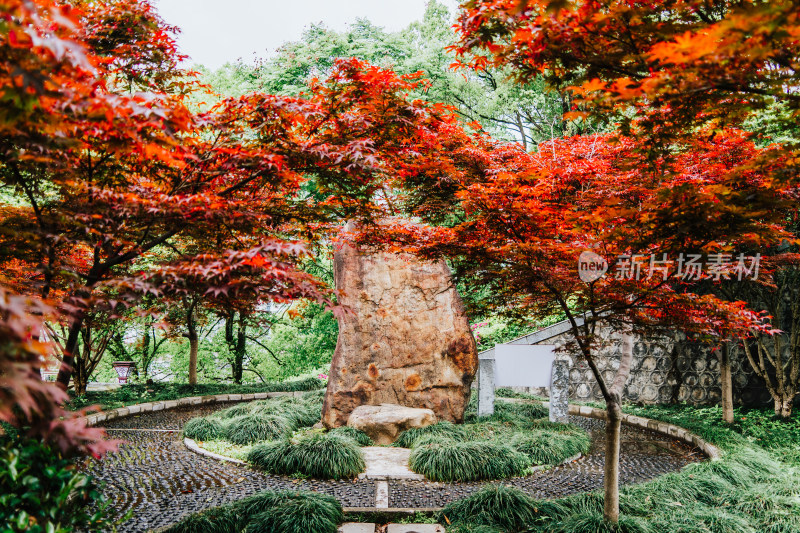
(254, 428)
(203, 429)
(269, 511)
(440, 429)
(499, 506)
(320, 456)
(225, 519)
(548, 448)
(272, 457)
(467, 461)
(356, 435)
(42, 492)
(243, 409)
(293, 512)
(594, 522)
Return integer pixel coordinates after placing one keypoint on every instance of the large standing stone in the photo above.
(408, 341)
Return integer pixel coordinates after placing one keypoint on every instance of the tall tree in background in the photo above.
(528, 114)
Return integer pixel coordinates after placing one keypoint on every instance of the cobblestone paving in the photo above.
(644, 456)
(161, 481)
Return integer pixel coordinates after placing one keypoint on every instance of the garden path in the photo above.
(156, 477)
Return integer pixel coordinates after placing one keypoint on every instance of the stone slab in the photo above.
(382, 495)
(415, 528)
(388, 463)
(356, 527)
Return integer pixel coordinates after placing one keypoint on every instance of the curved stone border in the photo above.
(192, 445)
(664, 428)
(129, 410)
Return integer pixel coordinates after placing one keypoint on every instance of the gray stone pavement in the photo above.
(161, 481)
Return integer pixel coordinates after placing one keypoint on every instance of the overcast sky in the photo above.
(217, 31)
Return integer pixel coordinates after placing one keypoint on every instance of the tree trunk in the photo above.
(613, 428)
(783, 407)
(191, 327)
(241, 348)
(726, 382)
(611, 469)
(68, 361)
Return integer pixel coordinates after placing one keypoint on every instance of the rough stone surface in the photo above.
(559, 392)
(356, 527)
(408, 341)
(387, 463)
(486, 386)
(383, 423)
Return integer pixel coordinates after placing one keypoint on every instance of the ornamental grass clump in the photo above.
(292, 512)
(595, 523)
(269, 511)
(549, 448)
(254, 428)
(506, 508)
(323, 456)
(203, 429)
(356, 435)
(467, 461)
(408, 438)
(224, 519)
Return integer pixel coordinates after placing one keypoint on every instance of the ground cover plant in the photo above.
(268, 512)
(275, 435)
(318, 455)
(42, 491)
(753, 488)
(506, 444)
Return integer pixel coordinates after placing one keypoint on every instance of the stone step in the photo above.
(415, 528)
(388, 464)
(356, 527)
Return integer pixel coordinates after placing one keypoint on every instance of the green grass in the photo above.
(203, 429)
(228, 449)
(356, 435)
(268, 512)
(445, 429)
(550, 448)
(254, 428)
(140, 393)
(467, 461)
(324, 456)
(498, 506)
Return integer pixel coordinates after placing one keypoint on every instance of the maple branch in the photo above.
(267, 349)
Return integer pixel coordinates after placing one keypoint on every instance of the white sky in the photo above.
(217, 31)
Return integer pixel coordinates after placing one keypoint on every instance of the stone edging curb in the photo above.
(664, 428)
(122, 412)
(192, 445)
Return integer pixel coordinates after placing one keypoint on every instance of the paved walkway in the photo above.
(161, 481)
